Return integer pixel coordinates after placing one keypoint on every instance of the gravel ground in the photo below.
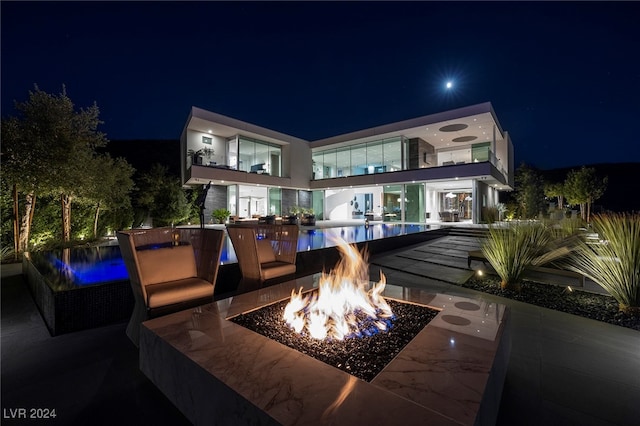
(589, 305)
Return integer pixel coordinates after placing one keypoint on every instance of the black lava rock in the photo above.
(363, 357)
(595, 306)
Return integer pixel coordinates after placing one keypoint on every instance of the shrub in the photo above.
(295, 210)
(220, 215)
(511, 249)
(7, 254)
(614, 262)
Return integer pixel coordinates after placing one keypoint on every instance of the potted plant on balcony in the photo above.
(308, 217)
(220, 215)
(197, 156)
(292, 219)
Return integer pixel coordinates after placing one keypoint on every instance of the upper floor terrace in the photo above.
(465, 136)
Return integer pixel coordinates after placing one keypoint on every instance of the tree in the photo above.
(555, 189)
(108, 187)
(49, 148)
(73, 149)
(161, 196)
(26, 140)
(529, 191)
(583, 187)
(171, 206)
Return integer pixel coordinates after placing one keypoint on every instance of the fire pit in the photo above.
(361, 356)
(219, 372)
(355, 329)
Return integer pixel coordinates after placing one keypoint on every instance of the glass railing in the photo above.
(498, 165)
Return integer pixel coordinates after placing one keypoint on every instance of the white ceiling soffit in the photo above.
(459, 132)
(465, 126)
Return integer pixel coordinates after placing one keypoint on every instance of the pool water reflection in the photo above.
(317, 238)
(81, 267)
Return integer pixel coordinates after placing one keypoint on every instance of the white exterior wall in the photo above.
(431, 200)
(296, 163)
(337, 203)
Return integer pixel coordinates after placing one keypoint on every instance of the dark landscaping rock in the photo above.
(585, 304)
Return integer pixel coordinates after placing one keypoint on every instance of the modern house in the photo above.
(447, 166)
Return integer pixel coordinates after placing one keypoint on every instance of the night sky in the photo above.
(563, 78)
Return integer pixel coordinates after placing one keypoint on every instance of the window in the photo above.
(361, 159)
(275, 201)
(359, 165)
(480, 152)
(343, 161)
(414, 203)
(259, 157)
(392, 155)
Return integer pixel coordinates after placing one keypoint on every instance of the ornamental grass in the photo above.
(520, 245)
(614, 261)
(512, 249)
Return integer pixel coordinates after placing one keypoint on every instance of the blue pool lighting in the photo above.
(95, 265)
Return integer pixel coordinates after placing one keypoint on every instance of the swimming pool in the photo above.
(80, 267)
(319, 238)
(87, 287)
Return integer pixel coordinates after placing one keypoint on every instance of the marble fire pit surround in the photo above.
(218, 372)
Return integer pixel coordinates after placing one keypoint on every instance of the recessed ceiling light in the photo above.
(210, 131)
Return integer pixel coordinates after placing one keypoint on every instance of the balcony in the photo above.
(197, 174)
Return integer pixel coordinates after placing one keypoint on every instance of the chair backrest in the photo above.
(206, 245)
(284, 238)
(249, 244)
(244, 243)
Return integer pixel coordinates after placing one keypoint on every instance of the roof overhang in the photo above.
(449, 129)
(204, 121)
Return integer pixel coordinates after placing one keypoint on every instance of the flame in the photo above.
(342, 306)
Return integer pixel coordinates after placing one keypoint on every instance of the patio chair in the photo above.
(169, 270)
(265, 252)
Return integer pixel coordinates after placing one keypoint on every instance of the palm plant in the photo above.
(511, 249)
(614, 262)
(220, 215)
